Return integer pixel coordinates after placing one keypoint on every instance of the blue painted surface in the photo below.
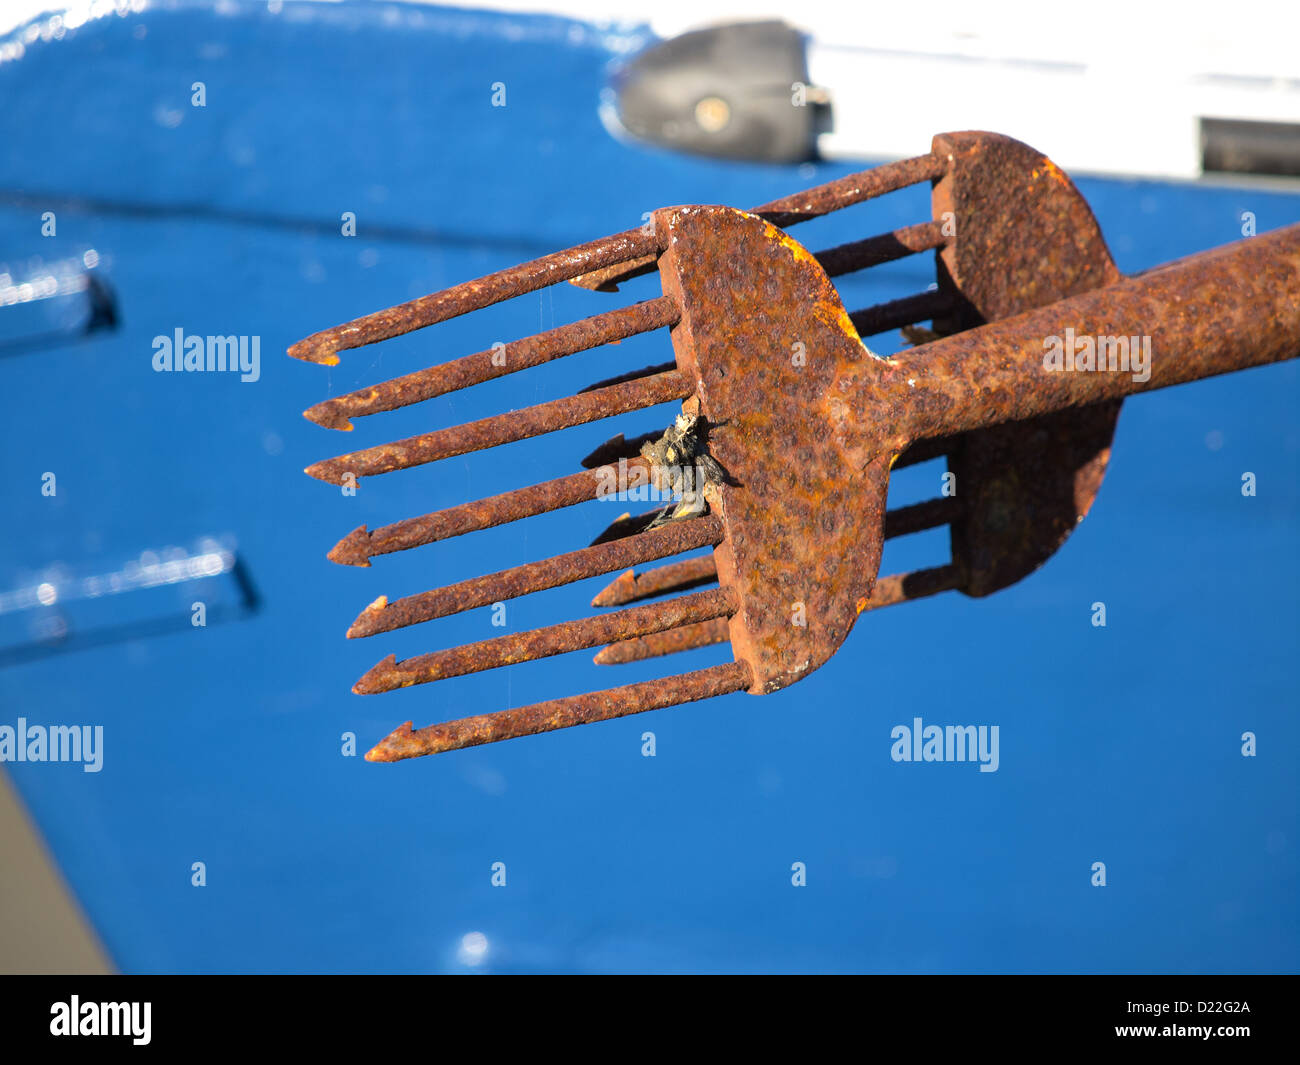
(222, 745)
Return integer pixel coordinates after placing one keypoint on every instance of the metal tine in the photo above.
(885, 248)
(631, 375)
(662, 644)
(382, 616)
(505, 428)
(362, 544)
(406, 742)
(889, 591)
(546, 642)
(630, 587)
(474, 295)
(619, 447)
(928, 514)
(883, 317)
(802, 206)
(483, 366)
(852, 189)
(904, 587)
(631, 524)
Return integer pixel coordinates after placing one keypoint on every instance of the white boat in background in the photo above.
(1108, 87)
(1096, 87)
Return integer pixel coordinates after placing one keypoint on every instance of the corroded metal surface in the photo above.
(1026, 488)
(762, 336)
(852, 189)
(1024, 235)
(864, 254)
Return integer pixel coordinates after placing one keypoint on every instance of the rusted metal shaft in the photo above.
(885, 248)
(630, 375)
(1222, 310)
(630, 587)
(897, 313)
(851, 189)
(661, 644)
(406, 742)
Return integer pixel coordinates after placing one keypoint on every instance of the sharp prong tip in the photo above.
(307, 351)
(353, 549)
(389, 749)
(370, 683)
(615, 593)
(327, 418)
(361, 626)
(323, 471)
